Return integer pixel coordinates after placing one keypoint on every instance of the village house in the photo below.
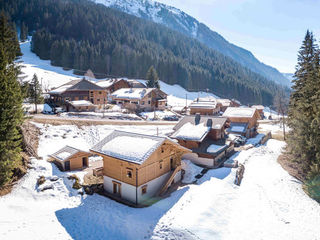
(260, 109)
(80, 106)
(204, 106)
(76, 90)
(138, 167)
(205, 136)
(146, 99)
(113, 84)
(69, 158)
(243, 120)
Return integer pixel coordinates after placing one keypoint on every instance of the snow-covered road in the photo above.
(269, 204)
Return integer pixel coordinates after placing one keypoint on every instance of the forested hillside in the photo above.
(82, 35)
(180, 21)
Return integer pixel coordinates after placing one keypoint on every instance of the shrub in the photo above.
(312, 187)
(76, 184)
(41, 180)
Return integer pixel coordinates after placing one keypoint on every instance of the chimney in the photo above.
(209, 123)
(197, 118)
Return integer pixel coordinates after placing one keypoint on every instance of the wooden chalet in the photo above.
(69, 158)
(112, 85)
(138, 167)
(260, 109)
(243, 120)
(204, 106)
(146, 99)
(205, 136)
(80, 106)
(76, 90)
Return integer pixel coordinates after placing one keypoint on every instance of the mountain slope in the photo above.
(82, 35)
(184, 23)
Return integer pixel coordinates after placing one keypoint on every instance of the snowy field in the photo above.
(269, 204)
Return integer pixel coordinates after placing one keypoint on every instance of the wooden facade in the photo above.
(133, 181)
(77, 160)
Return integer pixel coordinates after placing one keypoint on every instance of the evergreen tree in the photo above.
(304, 108)
(10, 103)
(23, 32)
(152, 77)
(35, 92)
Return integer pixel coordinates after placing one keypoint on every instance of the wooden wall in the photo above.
(149, 170)
(76, 160)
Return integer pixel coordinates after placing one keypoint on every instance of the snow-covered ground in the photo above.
(269, 204)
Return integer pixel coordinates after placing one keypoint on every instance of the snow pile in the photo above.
(134, 149)
(191, 171)
(156, 114)
(81, 103)
(191, 132)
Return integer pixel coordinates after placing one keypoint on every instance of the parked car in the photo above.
(171, 118)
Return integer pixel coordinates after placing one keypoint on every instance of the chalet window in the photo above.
(100, 92)
(149, 102)
(142, 103)
(98, 99)
(144, 189)
(129, 173)
(160, 164)
(162, 150)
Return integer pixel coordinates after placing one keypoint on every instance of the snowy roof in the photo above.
(191, 132)
(206, 105)
(259, 107)
(244, 112)
(238, 127)
(65, 153)
(217, 122)
(79, 103)
(75, 85)
(132, 93)
(224, 102)
(108, 83)
(213, 148)
(131, 147)
(136, 84)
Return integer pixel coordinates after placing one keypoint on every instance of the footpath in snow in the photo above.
(269, 204)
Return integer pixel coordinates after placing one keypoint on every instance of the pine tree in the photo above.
(152, 77)
(23, 32)
(304, 108)
(35, 92)
(10, 104)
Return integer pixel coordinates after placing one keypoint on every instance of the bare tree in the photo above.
(281, 103)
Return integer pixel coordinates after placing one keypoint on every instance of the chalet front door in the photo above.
(117, 188)
(67, 166)
(84, 162)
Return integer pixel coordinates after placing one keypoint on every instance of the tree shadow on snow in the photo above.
(98, 217)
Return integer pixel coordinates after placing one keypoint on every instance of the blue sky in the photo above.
(272, 30)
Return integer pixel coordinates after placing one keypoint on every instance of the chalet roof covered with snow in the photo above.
(239, 112)
(224, 102)
(131, 93)
(79, 103)
(191, 132)
(237, 127)
(131, 147)
(65, 153)
(213, 121)
(259, 107)
(76, 85)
